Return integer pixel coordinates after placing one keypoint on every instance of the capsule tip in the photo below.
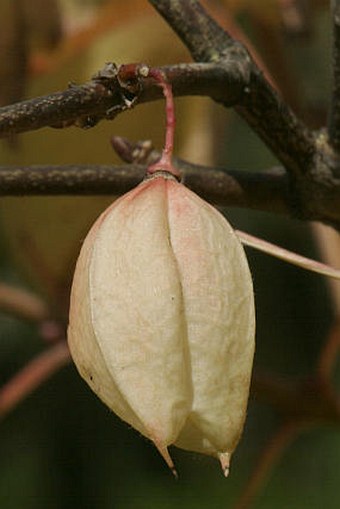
(163, 450)
(224, 458)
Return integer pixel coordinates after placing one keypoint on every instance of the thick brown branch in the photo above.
(74, 105)
(312, 168)
(230, 77)
(68, 179)
(262, 191)
(203, 37)
(104, 97)
(261, 105)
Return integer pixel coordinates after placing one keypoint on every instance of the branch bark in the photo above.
(267, 191)
(227, 74)
(104, 97)
(314, 172)
(260, 104)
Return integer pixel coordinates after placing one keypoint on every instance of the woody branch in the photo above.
(225, 72)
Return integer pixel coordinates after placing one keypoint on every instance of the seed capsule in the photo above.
(162, 318)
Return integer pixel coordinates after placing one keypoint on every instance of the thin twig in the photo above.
(288, 256)
(32, 375)
(334, 113)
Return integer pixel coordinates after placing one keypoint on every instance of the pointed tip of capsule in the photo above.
(163, 450)
(224, 458)
(174, 472)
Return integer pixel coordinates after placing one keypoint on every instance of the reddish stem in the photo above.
(165, 162)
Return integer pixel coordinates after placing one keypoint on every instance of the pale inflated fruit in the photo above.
(162, 318)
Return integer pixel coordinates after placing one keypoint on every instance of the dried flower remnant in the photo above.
(162, 315)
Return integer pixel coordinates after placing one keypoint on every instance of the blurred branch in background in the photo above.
(36, 372)
(270, 456)
(301, 405)
(25, 25)
(22, 304)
